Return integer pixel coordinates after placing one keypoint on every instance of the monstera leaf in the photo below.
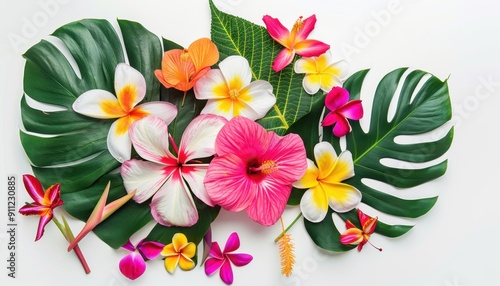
(236, 36)
(423, 105)
(71, 149)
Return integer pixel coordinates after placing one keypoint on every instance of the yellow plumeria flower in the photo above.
(321, 72)
(230, 91)
(324, 184)
(179, 252)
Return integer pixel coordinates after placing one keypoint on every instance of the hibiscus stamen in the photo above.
(173, 143)
(298, 25)
(267, 167)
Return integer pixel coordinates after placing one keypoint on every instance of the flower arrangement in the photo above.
(257, 118)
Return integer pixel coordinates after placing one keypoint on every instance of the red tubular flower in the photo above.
(44, 202)
(354, 235)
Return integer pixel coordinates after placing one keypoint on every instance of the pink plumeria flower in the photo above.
(254, 170)
(295, 41)
(360, 237)
(321, 72)
(133, 265)
(231, 93)
(341, 109)
(44, 202)
(222, 259)
(170, 179)
(324, 183)
(130, 88)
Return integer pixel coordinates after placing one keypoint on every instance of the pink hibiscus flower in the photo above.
(254, 169)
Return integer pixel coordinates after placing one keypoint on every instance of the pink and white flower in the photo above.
(170, 179)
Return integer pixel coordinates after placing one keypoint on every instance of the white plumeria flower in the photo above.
(231, 93)
(130, 88)
(165, 177)
(321, 72)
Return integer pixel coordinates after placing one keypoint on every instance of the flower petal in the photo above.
(215, 251)
(189, 250)
(330, 119)
(52, 196)
(150, 139)
(171, 263)
(369, 225)
(352, 110)
(175, 70)
(314, 204)
(130, 86)
(283, 59)
(44, 220)
(185, 263)
(33, 209)
(132, 266)
(242, 136)
(144, 177)
(227, 183)
(198, 140)
(129, 246)
(342, 127)
(336, 98)
(351, 236)
(226, 272)
(150, 249)
(289, 154)
(312, 83)
(342, 197)
(310, 177)
(34, 188)
(212, 265)
(204, 53)
(239, 259)
(276, 30)
(326, 159)
(173, 203)
(343, 169)
(98, 103)
(269, 202)
(212, 86)
(305, 65)
(256, 100)
(164, 110)
(119, 145)
(306, 27)
(194, 176)
(232, 243)
(179, 240)
(311, 48)
(236, 71)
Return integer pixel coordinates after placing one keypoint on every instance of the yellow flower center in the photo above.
(185, 55)
(267, 167)
(298, 25)
(234, 93)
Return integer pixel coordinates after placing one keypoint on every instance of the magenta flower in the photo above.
(44, 202)
(133, 265)
(294, 41)
(341, 109)
(222, 260)
(254, 169)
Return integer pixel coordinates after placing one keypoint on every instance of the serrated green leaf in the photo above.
(237, 36)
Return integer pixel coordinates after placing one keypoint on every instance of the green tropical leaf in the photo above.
(69, 148)
(423, 105)
(236, 36)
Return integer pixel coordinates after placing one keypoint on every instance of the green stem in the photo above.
(288, 228)
(68, 234)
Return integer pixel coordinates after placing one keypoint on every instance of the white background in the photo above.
(456, 243)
